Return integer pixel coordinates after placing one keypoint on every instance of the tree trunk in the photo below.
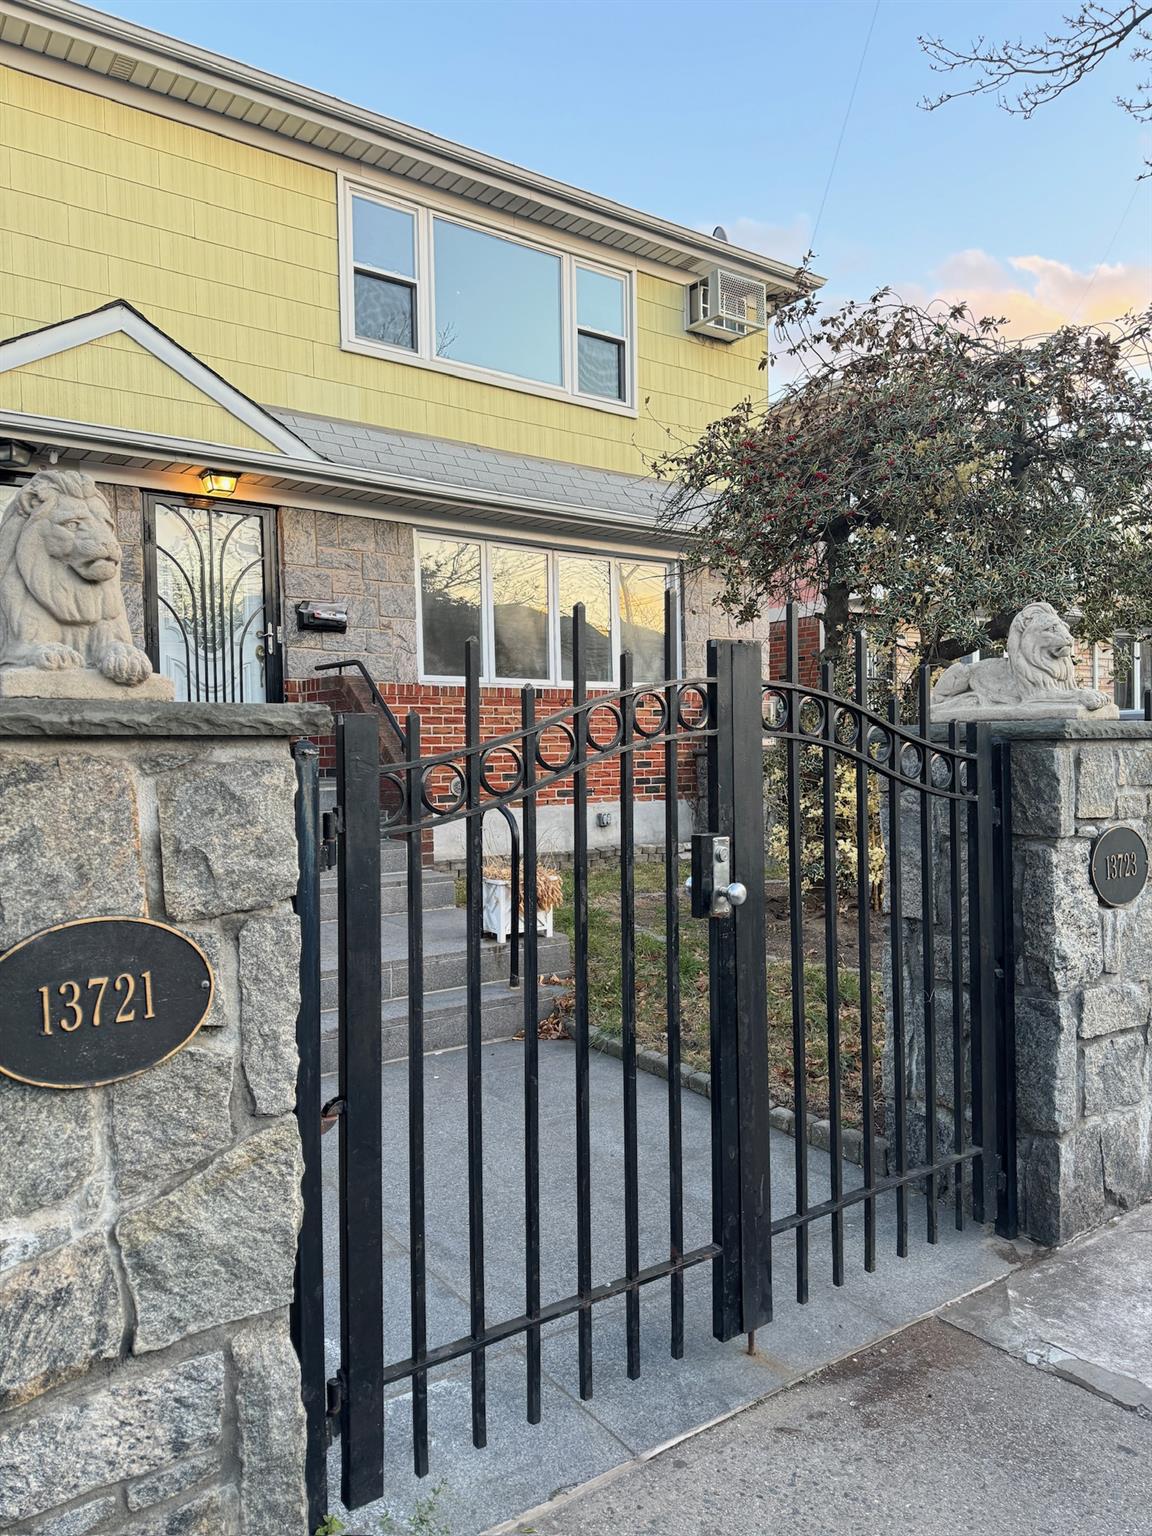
(837, 622)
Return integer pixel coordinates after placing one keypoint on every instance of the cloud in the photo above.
(1037, 293)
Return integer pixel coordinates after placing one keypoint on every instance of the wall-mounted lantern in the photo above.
(14, 455)
(218, 482)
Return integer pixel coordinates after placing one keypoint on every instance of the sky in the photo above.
(732, 113)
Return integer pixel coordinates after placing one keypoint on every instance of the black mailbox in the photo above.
(330, 616)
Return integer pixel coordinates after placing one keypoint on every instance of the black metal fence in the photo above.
(934, 783)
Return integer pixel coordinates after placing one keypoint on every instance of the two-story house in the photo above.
(352, 389)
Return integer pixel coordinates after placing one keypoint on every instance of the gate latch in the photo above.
(714, 892)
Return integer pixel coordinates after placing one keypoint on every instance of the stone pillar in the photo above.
(1083, 980)
(148, 1385)
(1083, 975)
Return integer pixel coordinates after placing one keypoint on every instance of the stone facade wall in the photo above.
(704, 621)
(148, 1386)
(365, 562)
(1084, 974)
(1082, 984)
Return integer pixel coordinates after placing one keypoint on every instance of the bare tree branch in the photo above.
(1024, 76)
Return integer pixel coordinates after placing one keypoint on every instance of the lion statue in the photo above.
(1035, 678)
(61, 605)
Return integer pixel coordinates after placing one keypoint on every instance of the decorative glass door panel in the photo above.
(213, 627)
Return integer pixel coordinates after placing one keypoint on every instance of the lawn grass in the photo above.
(604, 939)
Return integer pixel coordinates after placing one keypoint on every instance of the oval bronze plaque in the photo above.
(1119, 866)
(93, 1001)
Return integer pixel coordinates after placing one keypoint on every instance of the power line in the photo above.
(844, 124)
(1103, 260)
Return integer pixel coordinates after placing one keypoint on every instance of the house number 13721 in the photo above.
(96, 1001)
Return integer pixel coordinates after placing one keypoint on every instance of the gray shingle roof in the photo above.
(634, 500)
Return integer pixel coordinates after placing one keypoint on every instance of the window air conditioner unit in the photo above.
(726, 306)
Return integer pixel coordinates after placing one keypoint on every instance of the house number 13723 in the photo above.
(90, 1003)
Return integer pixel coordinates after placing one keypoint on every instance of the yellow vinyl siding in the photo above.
(232, 250)
(115, 382)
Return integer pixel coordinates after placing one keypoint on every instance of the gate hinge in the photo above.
(335, 1411)
(331, 830)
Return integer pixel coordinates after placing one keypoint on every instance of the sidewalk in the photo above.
(1026, 1407)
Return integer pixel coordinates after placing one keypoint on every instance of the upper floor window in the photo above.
(427, 287)
(517, 600)
(384, 273)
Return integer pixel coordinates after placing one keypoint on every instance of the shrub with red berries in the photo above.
(924, 471)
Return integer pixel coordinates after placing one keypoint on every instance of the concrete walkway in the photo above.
(524, 1465)
(1024, 1408)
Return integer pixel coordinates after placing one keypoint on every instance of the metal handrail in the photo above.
(383, 706)
(378, 698)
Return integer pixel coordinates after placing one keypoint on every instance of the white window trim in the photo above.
(424, 284)
(415, 281)
(488, 674)
(580, 264)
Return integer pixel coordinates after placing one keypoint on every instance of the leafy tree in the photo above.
(1024, 76)
(939, 473)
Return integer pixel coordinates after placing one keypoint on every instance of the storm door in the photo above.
(212, 609)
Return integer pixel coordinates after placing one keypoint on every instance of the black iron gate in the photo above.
(941, 997)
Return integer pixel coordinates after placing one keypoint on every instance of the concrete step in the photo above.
(445, 955)
(438, 891)
(445, 1020)
(394, 856)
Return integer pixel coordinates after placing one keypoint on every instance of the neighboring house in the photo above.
(433, 380)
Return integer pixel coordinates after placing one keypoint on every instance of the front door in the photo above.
(212, 606)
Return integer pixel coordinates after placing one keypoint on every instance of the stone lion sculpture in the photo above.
(61, 605)
(1036, 678)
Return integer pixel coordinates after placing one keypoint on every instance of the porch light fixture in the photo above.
(14, 455)
(218, 482)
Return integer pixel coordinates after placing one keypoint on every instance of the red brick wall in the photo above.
(441, 711)
(809, 636)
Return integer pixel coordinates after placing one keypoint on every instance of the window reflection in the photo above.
(497, 304)
(600, 367)
(599, 302)
(385, 311)
(449, 603)
(588, 581)
(642, 586)
(519, 600)
(520, 613)
(383, 237)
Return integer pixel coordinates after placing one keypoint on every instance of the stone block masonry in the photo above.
(1084, 978)
(1082, 983)
(148, 1385)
